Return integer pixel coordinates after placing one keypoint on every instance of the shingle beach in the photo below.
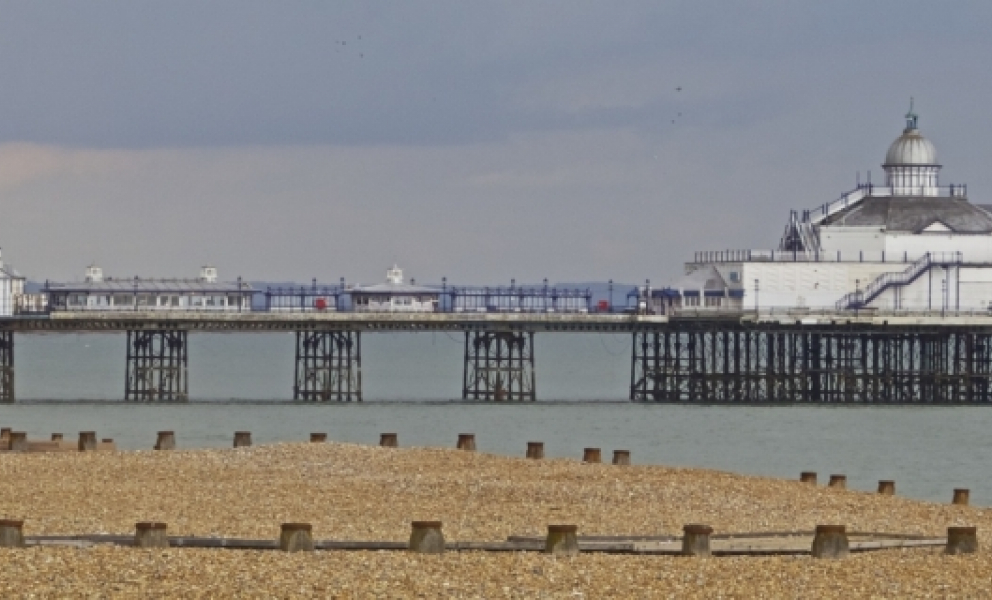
(352, 492)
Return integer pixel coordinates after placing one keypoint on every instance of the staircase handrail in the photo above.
(876, 287)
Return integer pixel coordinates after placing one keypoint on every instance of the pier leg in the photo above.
(6, 367)
(499, 365)
(156, 366)
(328, 366)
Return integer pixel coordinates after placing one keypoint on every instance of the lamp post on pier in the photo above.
(755, 297)
(611, 295)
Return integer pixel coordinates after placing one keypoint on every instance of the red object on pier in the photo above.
(321, 303)
(602, 306)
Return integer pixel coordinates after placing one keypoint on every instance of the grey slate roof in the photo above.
(703, 278)
(146, 286)
(914, 214)
(394, 288)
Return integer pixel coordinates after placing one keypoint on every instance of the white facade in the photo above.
(907, 245)
(11, 289)
(394, 295)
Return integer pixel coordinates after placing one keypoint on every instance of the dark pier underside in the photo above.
(734, 362)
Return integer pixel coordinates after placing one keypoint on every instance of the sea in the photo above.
(412, 381)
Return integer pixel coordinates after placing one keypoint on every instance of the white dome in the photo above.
(911, 148)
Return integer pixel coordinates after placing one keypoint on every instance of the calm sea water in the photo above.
(71, 383)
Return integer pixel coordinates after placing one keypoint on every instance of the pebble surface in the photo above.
(351, 492)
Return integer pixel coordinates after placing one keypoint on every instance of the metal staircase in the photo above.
(862, 298)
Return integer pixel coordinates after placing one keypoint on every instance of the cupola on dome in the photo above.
(911, 166)
(911, 148)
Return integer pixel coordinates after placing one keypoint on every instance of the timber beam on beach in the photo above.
(749, 544)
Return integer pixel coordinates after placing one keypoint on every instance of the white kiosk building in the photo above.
(907, 245)
(394, 295)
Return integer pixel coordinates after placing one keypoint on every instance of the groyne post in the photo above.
(426, 537)
(621, 457)
(87, 441)
(696, 540)
(808, 477)
(962, 540)
(150, 535)
(318, 438)
(11, 533)
(830, 541)
(535, 450)
(296, 537)
(961, 496)
(591, 455)
(838, 481)
(562, 540)
(466, 441)
(389, 440)
(887, 487)
(242, 439)
(166, 440)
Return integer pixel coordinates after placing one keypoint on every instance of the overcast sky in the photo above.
(571, 140)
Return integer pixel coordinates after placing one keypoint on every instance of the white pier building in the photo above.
(908, 245)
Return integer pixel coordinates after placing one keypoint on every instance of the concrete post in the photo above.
(696, 540)
(535, 450)
(830, 542)
(296, 537)
(242, 439)
(426, 537)
(838, 481)
(11, 533)
(150, 535)
(166, 440)
(466, 441)
(808, 477)
(57, 437)
(962, 540)
(389, 440)
(621, 457)
(887, 488)
(87, 441)
(591, 455)
(18, 441)
(562, 540)
(318, 438)
(961, 496)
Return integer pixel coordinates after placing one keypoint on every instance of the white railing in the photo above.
(729, 256)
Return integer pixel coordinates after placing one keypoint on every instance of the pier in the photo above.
(742, 357)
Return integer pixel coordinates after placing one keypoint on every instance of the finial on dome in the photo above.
(911, 116)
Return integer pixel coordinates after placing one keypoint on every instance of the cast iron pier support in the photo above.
(328, 366)
(156, 366)
(721, 362)
(6, 367)
(499, 365)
